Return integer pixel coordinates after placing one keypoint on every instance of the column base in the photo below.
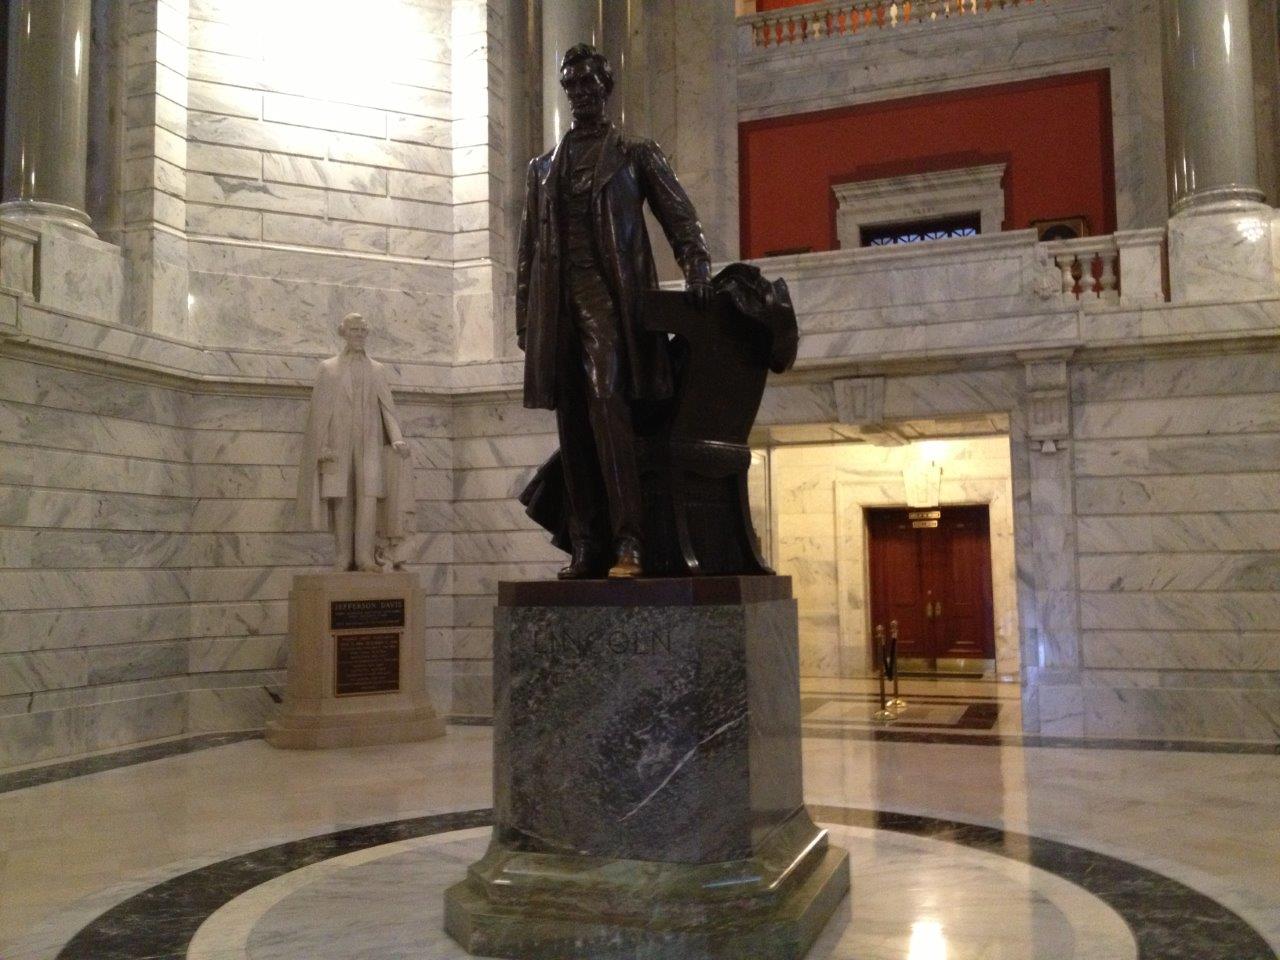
(34, 213)
(1222, 252)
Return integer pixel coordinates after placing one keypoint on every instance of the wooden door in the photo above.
(897, 591)
(962, 621)
(931, 571)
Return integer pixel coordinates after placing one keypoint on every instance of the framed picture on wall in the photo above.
(1062, 228)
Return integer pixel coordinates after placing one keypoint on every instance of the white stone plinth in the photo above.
(357, 663)
(1222, 252)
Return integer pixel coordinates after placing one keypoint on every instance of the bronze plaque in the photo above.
(361, 614)
(925, 524)
(925, 515)
(366, 663)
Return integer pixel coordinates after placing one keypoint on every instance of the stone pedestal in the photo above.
(647, 777)
(357, 671)
(1222, 252)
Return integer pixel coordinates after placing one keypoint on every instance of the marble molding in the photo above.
(672, 709)
(964, 190)
(329, 703)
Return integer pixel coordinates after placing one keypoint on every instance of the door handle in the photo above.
(928, 610)
(937, 608)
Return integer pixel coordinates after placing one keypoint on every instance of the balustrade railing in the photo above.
(817, 21)
(1089, 267)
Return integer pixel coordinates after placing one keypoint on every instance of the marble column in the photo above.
(617, 29)
(564, 23)
(1220, 232)
(47, 113)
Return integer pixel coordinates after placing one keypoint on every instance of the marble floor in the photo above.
(992, 849)
(940, 705)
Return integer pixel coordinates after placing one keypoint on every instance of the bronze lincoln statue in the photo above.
(584, 263)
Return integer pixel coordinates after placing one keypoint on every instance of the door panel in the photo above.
(895, 580)
(963, 624)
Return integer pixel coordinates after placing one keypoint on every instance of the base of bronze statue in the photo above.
(648, 793)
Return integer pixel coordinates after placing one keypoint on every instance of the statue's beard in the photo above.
(589, 113)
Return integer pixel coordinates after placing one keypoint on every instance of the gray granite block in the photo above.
(647, 777)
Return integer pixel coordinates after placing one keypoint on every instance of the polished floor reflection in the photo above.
(959, 851)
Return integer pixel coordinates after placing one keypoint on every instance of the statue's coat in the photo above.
(628, 173)
(332, 426)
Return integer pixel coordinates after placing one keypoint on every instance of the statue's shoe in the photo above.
(627, 561)
(585, 565)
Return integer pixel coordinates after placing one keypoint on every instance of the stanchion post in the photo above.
(896, 702)
(884, 714)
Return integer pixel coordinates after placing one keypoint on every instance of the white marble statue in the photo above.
(355, 472)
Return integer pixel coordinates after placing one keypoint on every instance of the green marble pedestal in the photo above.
(647, 778)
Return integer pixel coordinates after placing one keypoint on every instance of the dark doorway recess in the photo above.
(931, 572)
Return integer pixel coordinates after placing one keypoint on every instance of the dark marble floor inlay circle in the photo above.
(1169, 920)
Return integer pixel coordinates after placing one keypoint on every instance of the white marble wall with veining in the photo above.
(497, 447)
(319, 173)
(147, 547)
(95, 494)
(1177, 485)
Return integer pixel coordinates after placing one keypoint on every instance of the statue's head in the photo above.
(354, 330)
(587, 80)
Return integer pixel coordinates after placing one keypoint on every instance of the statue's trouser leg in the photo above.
(595, 324)
(343, 528)
(366, 518)
(588, 513)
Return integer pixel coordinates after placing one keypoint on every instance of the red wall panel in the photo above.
(763, 5)
(1053, 133)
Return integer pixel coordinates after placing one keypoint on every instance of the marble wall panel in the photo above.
(233, 708)
(1202, 375)
(880, 343)
(1184, 650)
(22, 506)
(301, 316)
(1172, 534)
(1180, 611)
(1174, 416)
(48, 734)
(1181, 494)
(30, 424)
(1196, 454)
(168, 556)
(49, 386)
(1191, 713)
(76, 470)
(1154, 572)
